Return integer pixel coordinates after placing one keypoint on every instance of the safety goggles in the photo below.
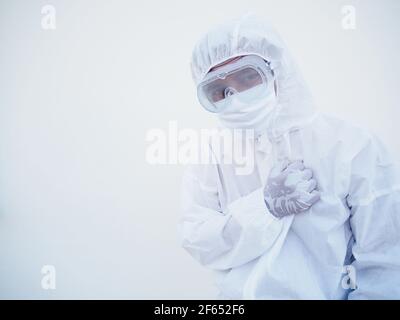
(247, 79)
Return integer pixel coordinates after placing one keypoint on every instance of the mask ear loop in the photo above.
(271, 68)
(272, 131)
(286, 153)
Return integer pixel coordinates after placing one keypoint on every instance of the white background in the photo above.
(76, 103)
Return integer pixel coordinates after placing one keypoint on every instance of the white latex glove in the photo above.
(290, 189)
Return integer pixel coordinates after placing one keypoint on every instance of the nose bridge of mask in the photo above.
(229, 91)
(244, 99)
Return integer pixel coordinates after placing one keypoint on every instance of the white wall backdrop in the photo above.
(76, 102)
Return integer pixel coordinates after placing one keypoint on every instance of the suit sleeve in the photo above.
(223, 240)
(374, 200)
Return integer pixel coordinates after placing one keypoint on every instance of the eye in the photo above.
(217, 94)
(252, 77)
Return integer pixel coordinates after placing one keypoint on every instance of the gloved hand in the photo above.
(290, 189)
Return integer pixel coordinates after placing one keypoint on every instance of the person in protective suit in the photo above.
(319, 218)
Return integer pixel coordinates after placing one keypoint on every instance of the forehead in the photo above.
(232, 60)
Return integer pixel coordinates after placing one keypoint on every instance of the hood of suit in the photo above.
(253, 35)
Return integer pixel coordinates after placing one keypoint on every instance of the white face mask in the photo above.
(245, 113)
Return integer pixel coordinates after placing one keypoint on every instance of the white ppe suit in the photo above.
(352, 233)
